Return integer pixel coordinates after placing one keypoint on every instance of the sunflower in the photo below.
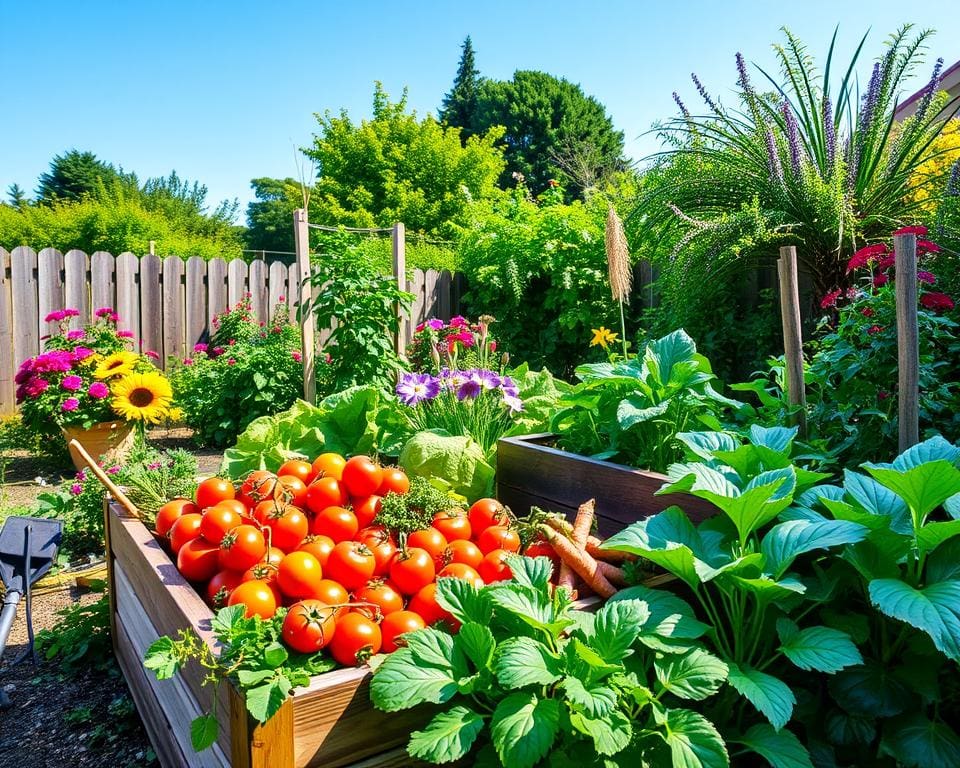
(142, 396)
(118, 364)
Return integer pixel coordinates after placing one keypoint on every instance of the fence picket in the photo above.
(128, 295)
(173, 309)
(196, 301)
(278, 286)
(216, 289)
(50, 294)
(103, 290)
(151, 305)
(7, 368)
(236, 281)
(258, 290)
(431, 303)
(444, 281)
(293, 292)
(77, 286)
(26, 318)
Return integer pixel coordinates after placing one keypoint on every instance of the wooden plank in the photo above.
(175, 697)
(7, 368)
(293, 292)
(278, 286)
(236, 281)
(216, 289)
(50, 285)
(792, 337)
(335, 725)
(431, 297)
(151, 306)
(458, 288)
(443, 290)
(417, 309)
(76, 292)
(399, 244)
(103, 290)
(26, 320)
(257, 285)
(174, 318)
(261, 745)
(128, 294)
(308, 342)
(623, 494)
(908, 340)
(196, 301)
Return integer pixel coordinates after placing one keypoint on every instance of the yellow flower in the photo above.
(117, 364)
(176, 414)
(142, 397)
(603, 337)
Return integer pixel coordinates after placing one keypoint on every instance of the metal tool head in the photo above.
(44, 541)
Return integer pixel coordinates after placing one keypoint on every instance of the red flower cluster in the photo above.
(938, 302)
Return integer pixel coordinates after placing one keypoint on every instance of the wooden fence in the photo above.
(167, 303)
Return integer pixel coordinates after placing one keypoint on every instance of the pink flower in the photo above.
(36, 387)
(125, 334)
(81, 475)
(927, 277)
(231, 361)
(76, 335)
(217, 351)
(70, 404)
(71, 312)
(880, 280)
(198, 348)
(81, 353)
(328, 358)
(114, 317)
(76, 489)
(113, 470)
(231, 342)
(938, 302)
(104, 312)
(867, 312)
(459, 322)
(281, 297)
(152, 355)
(436, 324)
(493, 346)
(874, 329)
(419, 328)
(55, 317)
(919, 231)
(296, 356)
(98, 390)
(71, 383)
(276, 329)
(830, 300)
(154, 465)
(188, 361)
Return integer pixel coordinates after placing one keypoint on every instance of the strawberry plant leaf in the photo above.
(203, 732)
(447, 737)
(524, 728)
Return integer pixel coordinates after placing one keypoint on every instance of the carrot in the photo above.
(609, 555)
(579, 561)
(583, 523)
(565, 577)
(612, 574)
(560, 524)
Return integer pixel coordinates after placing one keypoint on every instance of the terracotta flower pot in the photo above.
(107, 441)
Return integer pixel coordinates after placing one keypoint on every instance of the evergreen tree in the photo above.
(460, 105)
(16, 196)
(75, 174)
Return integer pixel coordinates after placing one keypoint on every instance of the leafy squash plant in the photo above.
(631, 410)
(529, 678)
(900, 590)
(743, 568)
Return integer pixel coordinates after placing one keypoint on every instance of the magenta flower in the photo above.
(926, 277)
(154, 465)
(296, 356)
(198, 348)
(71, 383)
(437, 324)
(919, 231)
(830, 300)
(217, 351)
(113, 470)
(152, 355)
(459, 322)
(188, 361)
(104, 312)
(124, 334)
(71, 312)
(55, 317)
(81, 475)
(76, 489)
(81, 353)
(76, 335)
(70, 404)
(231, 361)
(36, 387)
(420, 327)
(98, 390)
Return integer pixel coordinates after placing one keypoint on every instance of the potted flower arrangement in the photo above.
(91, 387)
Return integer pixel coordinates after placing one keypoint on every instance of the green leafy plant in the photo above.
(80, 640)
(250, 654)
(750, 576)
(529, 678)
(632, 410)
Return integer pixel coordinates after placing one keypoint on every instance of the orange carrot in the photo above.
(583, 523)
(608, 555)
(579, 561)
(565, 576)
(612, 574)
(560, 524)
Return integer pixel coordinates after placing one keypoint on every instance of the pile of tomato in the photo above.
(305, 538)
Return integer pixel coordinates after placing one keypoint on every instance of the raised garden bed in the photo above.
(531, 472)
(330, 723)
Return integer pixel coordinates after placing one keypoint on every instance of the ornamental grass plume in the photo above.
(618, 267)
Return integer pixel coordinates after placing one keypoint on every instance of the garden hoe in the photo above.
(28, 548)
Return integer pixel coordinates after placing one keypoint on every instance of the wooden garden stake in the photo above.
(105, 480)
(792, 339)
(301, 232)
(400, 274)
(908, 339)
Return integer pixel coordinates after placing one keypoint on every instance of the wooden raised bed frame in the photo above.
(329, 723)
(530, 472)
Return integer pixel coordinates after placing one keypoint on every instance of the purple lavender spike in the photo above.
(683, 108)
(703, 92)
(744, 81)
(870, 99)
(953, 184)
(773, 158)
(793, 138)
(930, 90)
(829, 131)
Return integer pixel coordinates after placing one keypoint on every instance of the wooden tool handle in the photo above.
(105, 480)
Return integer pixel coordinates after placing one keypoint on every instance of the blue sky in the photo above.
(223, 91)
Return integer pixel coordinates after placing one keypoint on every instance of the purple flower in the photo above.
(81, 353)
(70, 404)
(953, 184)
(81, 475)
(198, 348)
(773, 158)
(870, 99)
(830, 131)
(55, 317)
(413, 388)
(435, 324)
(25, 372)
(469, 388)
(926, 277)
(793, 138)
(487, 379)
(509, 387)
(515, 404)
(71, 383)
(744, 79)
(683, 107)
(113, 470)
(104, 312)
(76, 489)
(703, 92)
(98, 390)
(930, 90)
(76, 335)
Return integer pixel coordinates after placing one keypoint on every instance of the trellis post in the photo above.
(908, 339)
(792, 338)
(400, 274)
(301, 233)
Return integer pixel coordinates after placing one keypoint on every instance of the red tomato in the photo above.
(425, 604)
(324, 492)
(487, 512)
(257, 596)
(236, 505)
(381, 543)
(299, 575)
(461, 551)
(332, 593)
(197, 560)
(361, 477)
(212, 490)
(366, 509)
(541, 548)
(296, 468)
(355, 640)
(266, 573)
(395, 480)
(216, 521)
(220, 586)
(351, 563)
(461, 571)
(172, 511)
(453, 524)
(318, 546)
(293, 491)
(397, 624)
(309, 626)
(242, 547)
(287, 525)
(431, 540)
(258, 486)
(338, 523)
(329, 465)
(381, 594)
(412, 570)
(498, 537)
(185, 529)
(494, 567)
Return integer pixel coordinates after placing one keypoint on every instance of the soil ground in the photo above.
(56, 720)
